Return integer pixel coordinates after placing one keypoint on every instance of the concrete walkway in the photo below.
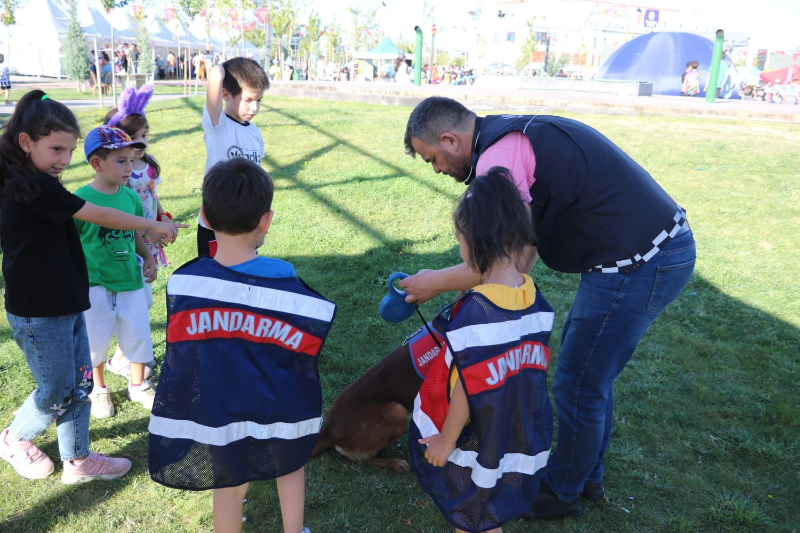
(483, 98)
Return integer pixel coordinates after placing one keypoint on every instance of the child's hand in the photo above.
(150, 269)
(168, 231)
(439, 449)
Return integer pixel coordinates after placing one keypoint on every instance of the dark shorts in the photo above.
(5, 84)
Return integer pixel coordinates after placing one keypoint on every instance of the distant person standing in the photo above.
(134, 59)
(5, 79)
(170, 66)
(693, 78)
(724, 65)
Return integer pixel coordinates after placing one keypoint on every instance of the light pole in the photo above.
(711, 91)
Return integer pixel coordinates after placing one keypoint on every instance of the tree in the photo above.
(555, 66)
(529, 46)
(310, 43)
(7, 17)
(146, 64)
(76, 56)
(282, 20)
(187, 11)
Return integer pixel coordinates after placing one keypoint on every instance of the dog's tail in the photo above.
(324, 442)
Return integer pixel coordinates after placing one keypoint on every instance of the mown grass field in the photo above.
(707, 431)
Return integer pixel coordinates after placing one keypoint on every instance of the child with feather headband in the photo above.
(145, 178)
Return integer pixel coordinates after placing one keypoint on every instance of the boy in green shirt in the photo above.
(116, 289)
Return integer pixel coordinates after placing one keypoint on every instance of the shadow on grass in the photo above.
(706, 338)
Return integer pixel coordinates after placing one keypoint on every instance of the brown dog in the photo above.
(373, 411)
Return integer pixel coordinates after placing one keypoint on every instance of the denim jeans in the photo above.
(57, 352)
(610, 314)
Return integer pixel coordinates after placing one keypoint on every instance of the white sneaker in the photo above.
(144, 394)
(101, 403)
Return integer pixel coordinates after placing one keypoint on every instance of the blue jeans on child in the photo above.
(57, 352)
(610, 314)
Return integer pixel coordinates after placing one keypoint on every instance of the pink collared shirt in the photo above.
(514, 152)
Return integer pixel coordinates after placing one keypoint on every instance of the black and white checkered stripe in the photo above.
(663, 238)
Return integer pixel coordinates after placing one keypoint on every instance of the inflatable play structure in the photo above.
(659, 58)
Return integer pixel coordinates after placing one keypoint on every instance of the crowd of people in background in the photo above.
(744, 82)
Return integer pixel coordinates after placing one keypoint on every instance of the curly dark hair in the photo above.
(493, 220)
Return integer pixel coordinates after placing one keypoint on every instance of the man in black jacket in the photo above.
(597, 213)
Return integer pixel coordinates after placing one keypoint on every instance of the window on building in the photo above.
(510, 36)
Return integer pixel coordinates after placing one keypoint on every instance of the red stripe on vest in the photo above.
(493, 373)
(221, 323)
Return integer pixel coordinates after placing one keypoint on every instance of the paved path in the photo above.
(491, 98)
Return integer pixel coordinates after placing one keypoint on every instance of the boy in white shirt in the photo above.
(239, 84)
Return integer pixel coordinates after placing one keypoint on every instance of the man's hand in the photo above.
(420, 287)
(439, 449)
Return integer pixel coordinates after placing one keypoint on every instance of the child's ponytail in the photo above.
(37, 115)
(493, 220)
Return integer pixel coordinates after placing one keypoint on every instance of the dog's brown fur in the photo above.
(373, 411)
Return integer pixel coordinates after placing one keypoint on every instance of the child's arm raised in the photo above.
(214, 97)
(115, 219)
(442, 445)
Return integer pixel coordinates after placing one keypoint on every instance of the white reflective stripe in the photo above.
(448, 357)
(486, 478)
(425, 425)
(258, 297)
(483, 477)
(186, 429)
(500, 332)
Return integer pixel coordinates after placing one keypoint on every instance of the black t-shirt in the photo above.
(43, 263)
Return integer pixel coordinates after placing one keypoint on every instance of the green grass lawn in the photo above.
(18, 90)
(707, 423)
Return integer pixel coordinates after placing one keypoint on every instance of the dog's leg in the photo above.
(379, 424)
(373, 411)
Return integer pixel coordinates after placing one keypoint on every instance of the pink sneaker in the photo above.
(28, 460)
(95, 466)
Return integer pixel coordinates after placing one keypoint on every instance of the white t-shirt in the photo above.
(229, 139)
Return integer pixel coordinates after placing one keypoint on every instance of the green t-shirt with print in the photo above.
(111, 253)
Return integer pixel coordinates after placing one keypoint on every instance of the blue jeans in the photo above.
(610, 314)
(57, 352)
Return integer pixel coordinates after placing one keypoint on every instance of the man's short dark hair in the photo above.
(244, 73)
(236, 194)
(432, 117)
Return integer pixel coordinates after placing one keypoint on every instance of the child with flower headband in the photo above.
(129, 116)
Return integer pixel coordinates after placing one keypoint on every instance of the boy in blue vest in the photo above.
(250, 323)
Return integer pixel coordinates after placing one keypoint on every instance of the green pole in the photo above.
(711, 93)
(418, 58)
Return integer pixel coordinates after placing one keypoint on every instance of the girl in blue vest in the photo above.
(482, 422)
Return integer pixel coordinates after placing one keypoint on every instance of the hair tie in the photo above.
(45, 97)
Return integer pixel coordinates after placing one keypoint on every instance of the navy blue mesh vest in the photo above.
(591, 203)
(239, 396)
(502, 357)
